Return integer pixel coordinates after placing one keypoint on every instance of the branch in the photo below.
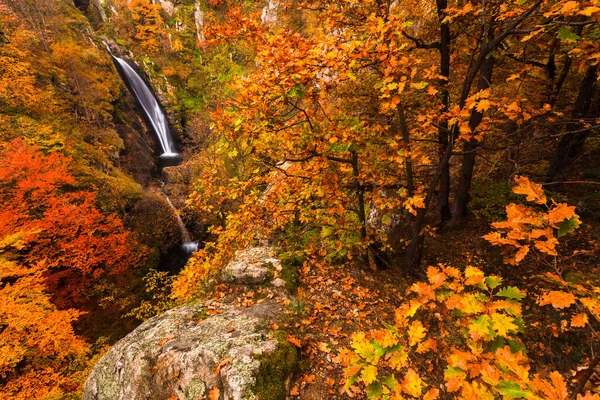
(420, 44)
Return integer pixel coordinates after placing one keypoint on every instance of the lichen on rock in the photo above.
(180, 354)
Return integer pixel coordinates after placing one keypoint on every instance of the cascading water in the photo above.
(189, 246)
(154, 114)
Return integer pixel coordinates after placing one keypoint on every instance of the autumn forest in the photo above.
(427, 171)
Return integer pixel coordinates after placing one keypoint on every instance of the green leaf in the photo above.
(511, 390)
(566, 34)
(511, 292)
(498, 343)
(516, 347)
(386, 219)
(374, 390)
(454, 371)
(568, 225)
(389, 381)
(493, 281)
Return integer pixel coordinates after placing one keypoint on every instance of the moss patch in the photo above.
(290, 263)
(275, 370)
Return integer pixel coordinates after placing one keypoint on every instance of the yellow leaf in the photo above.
(579, 320)
(557, 299)
(548, 246)
(398, 360)
(520, 255)
(512, 78)
(294, 340)
(483, 105)
(416, 333)
(503, 324)
(369, 374)
(474, 276)
(569, 7)
(588, 11)
(412, 384)
(534, 192)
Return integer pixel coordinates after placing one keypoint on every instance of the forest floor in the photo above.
(335, 302)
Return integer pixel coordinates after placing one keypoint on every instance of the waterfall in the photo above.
(154, 114)
(188, 245)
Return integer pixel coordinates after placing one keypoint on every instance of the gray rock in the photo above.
(251, 266)
(174, 355)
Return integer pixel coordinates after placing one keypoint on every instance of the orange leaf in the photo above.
(579, 320)
(557, 299)
(294, 340)
(554, 390)
(561, 212)
(295, 391)
(214, 394)
(534, 192)
(416, 333)
(221, 365)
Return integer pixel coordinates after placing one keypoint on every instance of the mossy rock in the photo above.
(276, 370)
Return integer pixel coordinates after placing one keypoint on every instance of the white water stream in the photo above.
(189, 246)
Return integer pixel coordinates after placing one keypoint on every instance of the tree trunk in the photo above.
(444, 191)
(461, 199)
(571, 145)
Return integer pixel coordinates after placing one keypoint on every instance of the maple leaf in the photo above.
(533, 191)
(558, 299)
(483, 105)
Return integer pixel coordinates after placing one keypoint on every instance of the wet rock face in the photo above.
(174, 355)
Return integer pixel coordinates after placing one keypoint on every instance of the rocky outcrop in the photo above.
(252, 266)
(181, 354)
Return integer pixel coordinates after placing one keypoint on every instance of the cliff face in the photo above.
(183, 354)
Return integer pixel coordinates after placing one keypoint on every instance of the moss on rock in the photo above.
(276, 369)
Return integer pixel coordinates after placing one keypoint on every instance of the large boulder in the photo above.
(183, 355)
(176, 356)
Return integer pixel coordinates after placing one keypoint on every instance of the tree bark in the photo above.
(461, 200)
(444, 191)
(571, 145)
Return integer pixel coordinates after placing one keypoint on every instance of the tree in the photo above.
(86, 255)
